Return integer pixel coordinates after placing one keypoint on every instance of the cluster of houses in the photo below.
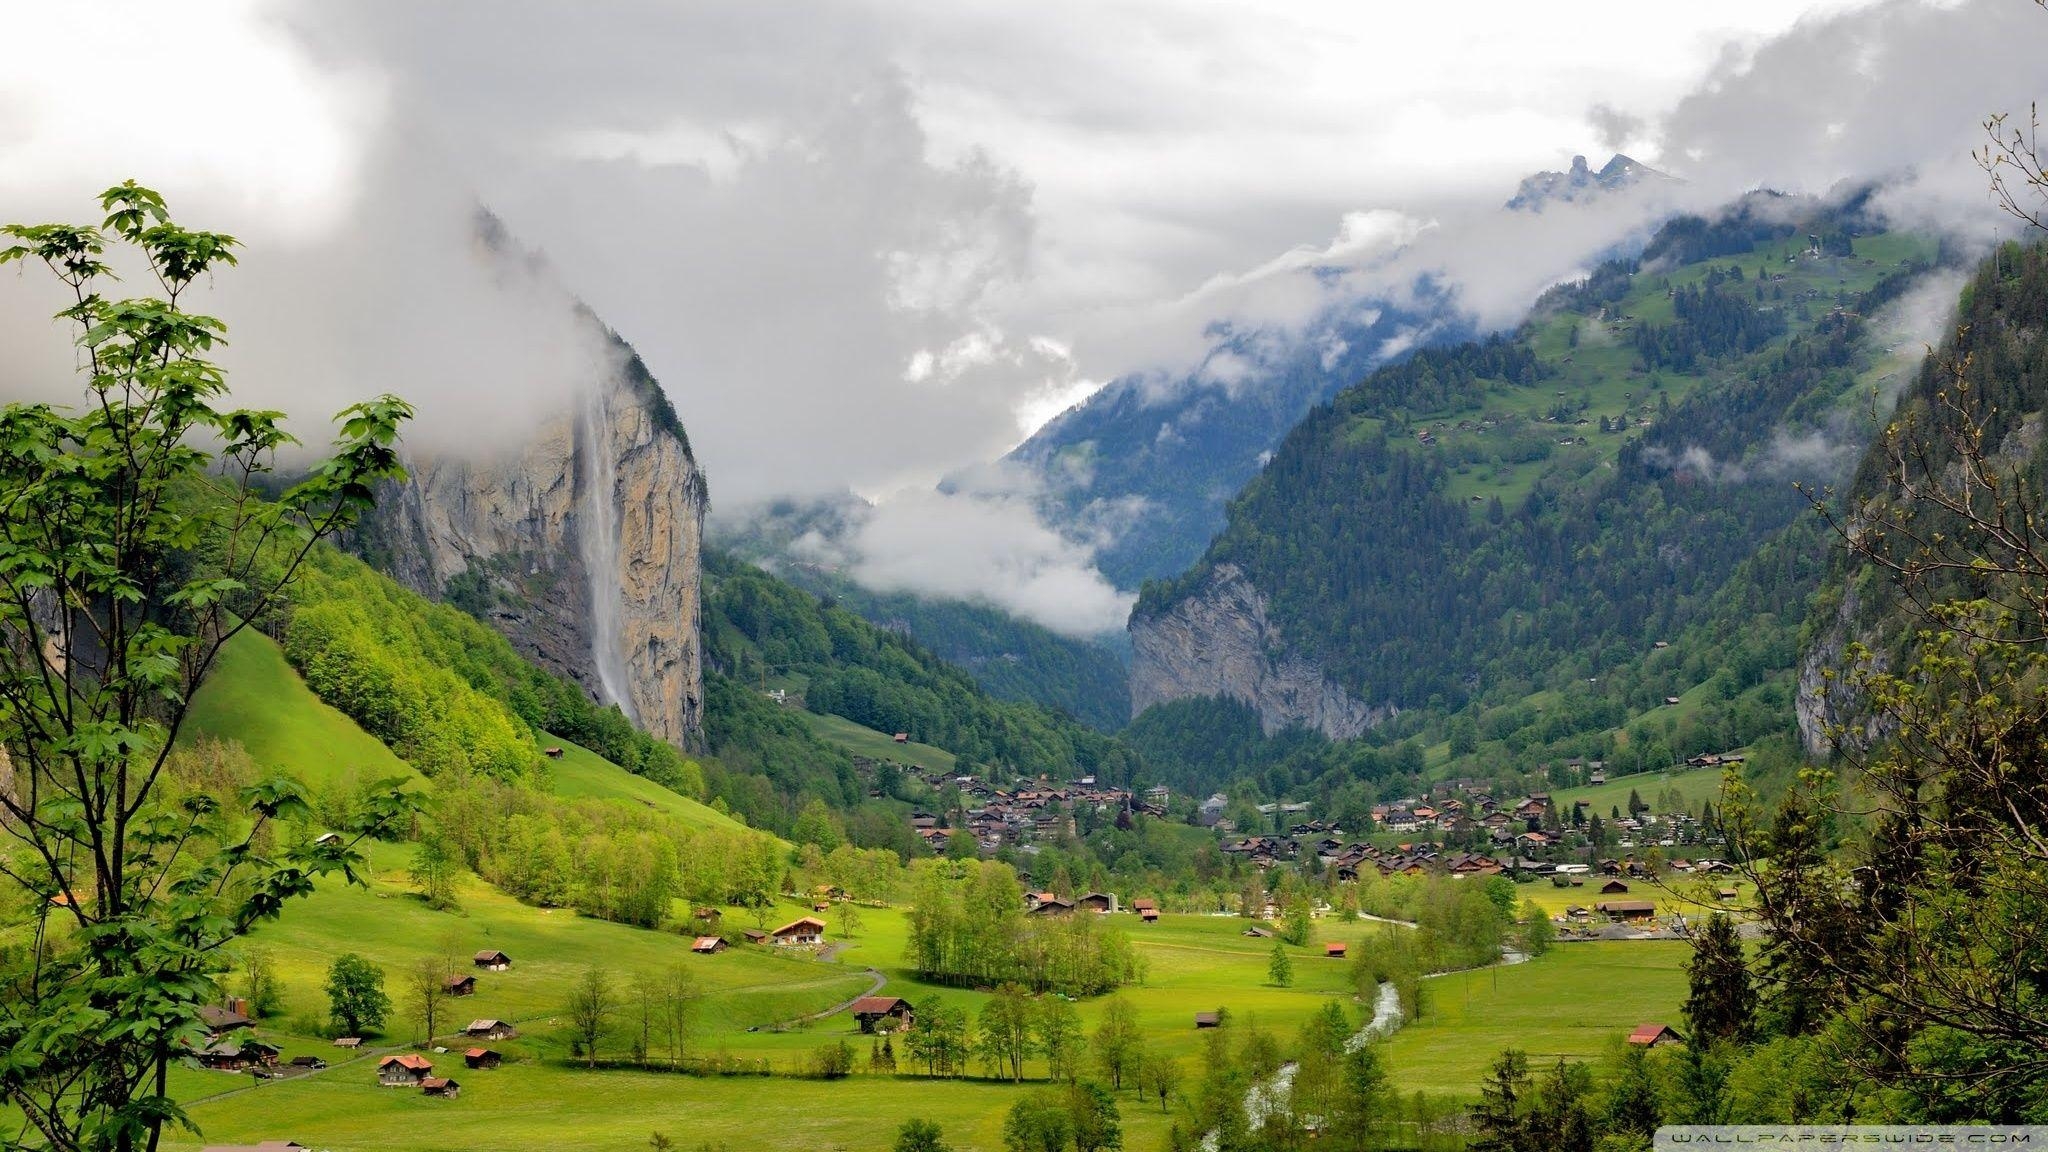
(1039, 810)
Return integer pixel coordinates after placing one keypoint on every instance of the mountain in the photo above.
(1581, 182)
(1546, 536)
(1995, 348)
(1147, 463)
(580, 545)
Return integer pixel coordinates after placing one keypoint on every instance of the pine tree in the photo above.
(1720, 1004)
(1632, 1102)
(1502, 1112)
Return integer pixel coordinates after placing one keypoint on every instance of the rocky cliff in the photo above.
(580, 545)
(1218, 642)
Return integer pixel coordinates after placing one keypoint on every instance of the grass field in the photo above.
(254, 696)
(581, 773)
(1695, 784)
(860, 741)
(1579, 1001)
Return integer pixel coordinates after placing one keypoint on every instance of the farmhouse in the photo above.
(490, 1030)
(708, 944)
(441, 1086)
(800, 932)
(461, 985)
(230, 1056)
(220, 1019)
(403, 1071)
(1626, 909)
(1654, 1036)
(493, 959)
(882, 1013)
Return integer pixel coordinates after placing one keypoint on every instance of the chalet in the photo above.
(1655, 1036)
(801, 932)
(1334, 949)
(1102, 902)
(493, 959)
(882, 1013)
(490, 1030)
(219, 1019)
(1052, 907)
(461, 985)
(708, 945)
(1614, 888)
(755, 936)
(234, 1056)
(440, 1086)
(403, 1071)
(1626, 909)
(482, 1058)
(1207, 1020)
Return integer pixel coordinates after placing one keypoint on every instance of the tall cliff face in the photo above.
(580, 545)
(1219, 642)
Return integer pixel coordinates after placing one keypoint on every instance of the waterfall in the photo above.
(598, 529)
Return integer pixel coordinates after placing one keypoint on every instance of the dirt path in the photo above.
(876, 986)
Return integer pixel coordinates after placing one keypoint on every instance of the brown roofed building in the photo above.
(708, 944)
(1626, 909)
(482, 1058)
(800, 932)
(461, 986)
(441, 1086)
(493, 959)
(882, 1013)
(491, 1030)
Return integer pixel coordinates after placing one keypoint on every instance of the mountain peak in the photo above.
(1581, 182)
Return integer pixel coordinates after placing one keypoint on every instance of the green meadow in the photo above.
(765, 1006)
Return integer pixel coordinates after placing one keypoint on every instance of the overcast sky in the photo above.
(869, 245)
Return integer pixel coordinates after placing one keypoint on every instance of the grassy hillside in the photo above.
(581, 773)
(254, 697)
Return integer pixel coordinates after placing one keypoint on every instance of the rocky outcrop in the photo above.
(1582, 182)
(580, 545)
(1219, 642)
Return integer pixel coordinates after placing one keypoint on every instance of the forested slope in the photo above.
(1531, 542)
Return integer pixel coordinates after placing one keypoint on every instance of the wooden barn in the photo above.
(882, 1013)
(493, 959)
(490, 1030)
(708, 944)
(482, 1058)
(461, 986)
(440, 1086)
(1655, 1036)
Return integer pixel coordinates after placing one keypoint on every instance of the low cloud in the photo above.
(980, 540)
